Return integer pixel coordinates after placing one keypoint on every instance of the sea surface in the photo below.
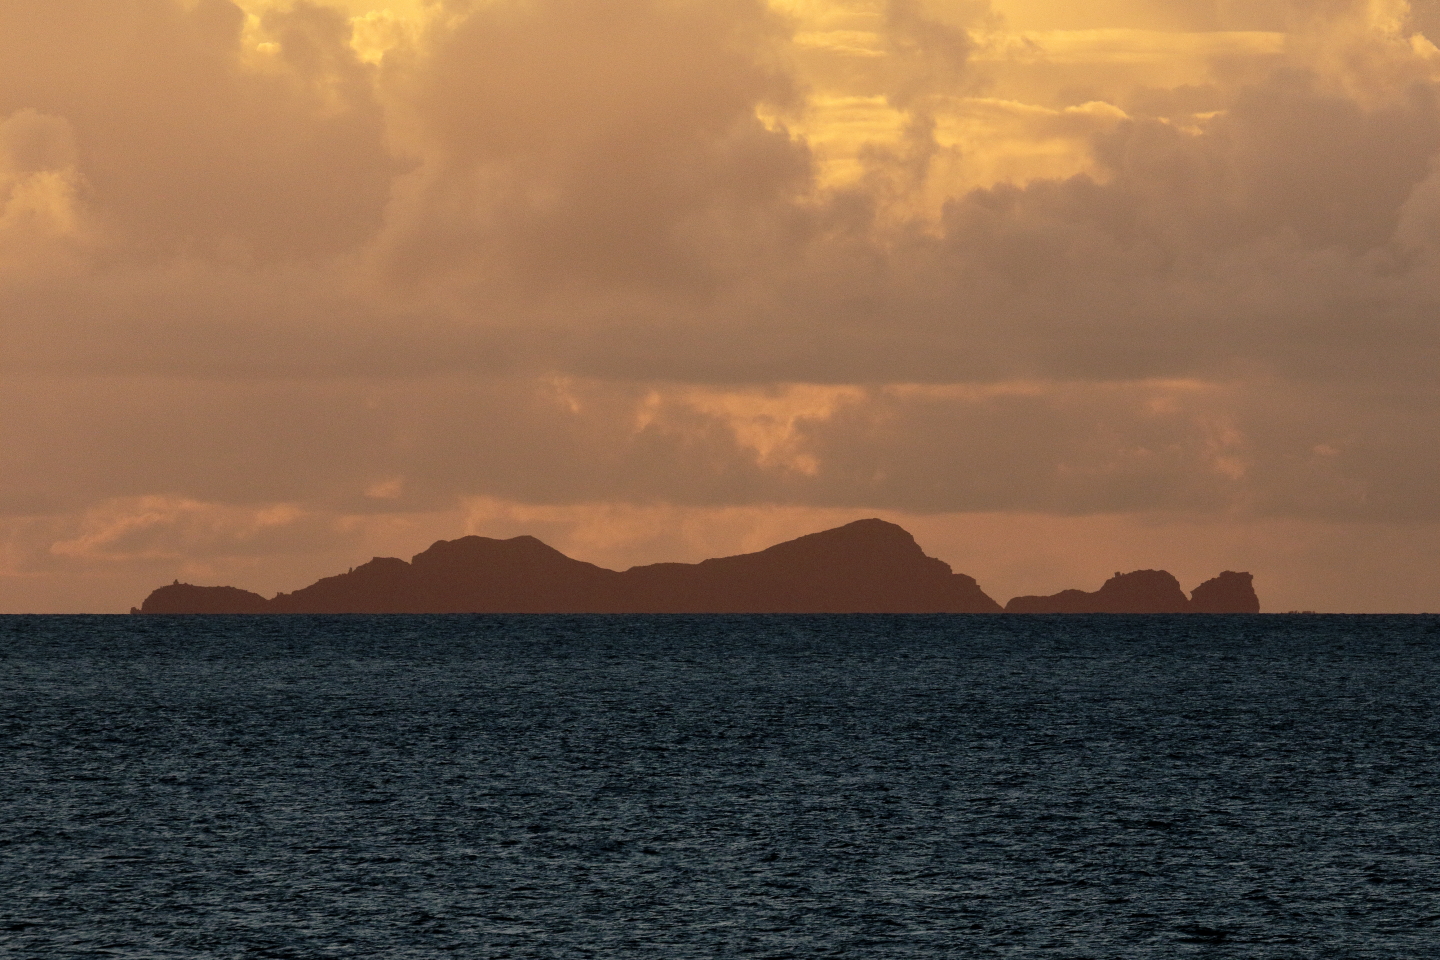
(688, 787)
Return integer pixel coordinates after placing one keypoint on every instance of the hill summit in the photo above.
(869, 566)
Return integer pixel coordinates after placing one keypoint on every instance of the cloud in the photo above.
(169, 528)
(604, 149)
(42, 215)
(364, 448)
(377, 261)
(187, 142)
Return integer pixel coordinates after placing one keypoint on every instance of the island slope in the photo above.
(869, 566)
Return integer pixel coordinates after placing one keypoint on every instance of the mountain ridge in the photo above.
(867, 566)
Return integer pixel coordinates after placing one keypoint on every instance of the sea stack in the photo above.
(1230, 592)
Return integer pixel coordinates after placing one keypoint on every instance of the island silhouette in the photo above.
(869, 566)
(1149, 591)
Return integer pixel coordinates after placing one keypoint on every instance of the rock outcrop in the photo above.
(869, 566)
(1141, 591)
(1230, 592)
(186, 598)
(1149, 591)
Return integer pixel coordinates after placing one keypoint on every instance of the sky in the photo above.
(1064, 289)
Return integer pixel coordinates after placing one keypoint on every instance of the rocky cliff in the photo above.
(1230, 592)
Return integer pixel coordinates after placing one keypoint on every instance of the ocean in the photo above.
(742, 786)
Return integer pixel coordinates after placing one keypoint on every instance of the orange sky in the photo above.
(1063, 288)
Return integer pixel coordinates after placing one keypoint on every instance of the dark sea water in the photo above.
(612, 787)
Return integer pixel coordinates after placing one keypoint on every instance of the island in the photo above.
(868, 566)
(1149, 591)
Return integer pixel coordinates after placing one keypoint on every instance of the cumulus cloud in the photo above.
(190, 142)
(374, 262)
